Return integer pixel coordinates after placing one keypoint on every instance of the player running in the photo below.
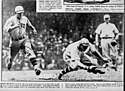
(15, 27)
(74, 55)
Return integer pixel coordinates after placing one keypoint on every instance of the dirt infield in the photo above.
(51, 75)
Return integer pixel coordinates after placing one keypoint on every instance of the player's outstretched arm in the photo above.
(31, 26)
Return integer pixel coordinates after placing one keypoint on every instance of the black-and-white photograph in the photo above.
(93, 1)
(66, 47)
(60, 47)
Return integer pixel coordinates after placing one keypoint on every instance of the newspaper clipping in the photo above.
(62, 45)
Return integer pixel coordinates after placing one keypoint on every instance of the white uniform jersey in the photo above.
(72, 51)
(107, 30)
(17, 32)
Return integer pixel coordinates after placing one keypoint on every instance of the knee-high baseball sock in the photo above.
(11, 59)
(10, 64)
(35, 65)
(65, 71)
(33, 61)
(68, 69)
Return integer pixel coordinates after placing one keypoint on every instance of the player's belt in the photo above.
(17, 39)
(107, 37)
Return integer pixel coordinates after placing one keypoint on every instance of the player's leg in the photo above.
(107, 51)
(96, 53)
(105, 48)
(114, 56)
(14, 49)
(72, 66)
(81, 65)
(105, 57)
(92, 65)
(31, 55)
(65, 71)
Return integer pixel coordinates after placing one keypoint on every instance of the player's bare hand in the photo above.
(97, 43)
(35, 32)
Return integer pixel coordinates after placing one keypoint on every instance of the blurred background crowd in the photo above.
(55, 32)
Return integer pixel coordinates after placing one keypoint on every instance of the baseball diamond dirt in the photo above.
(51, 76)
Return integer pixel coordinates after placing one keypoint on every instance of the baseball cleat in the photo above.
(115, 68)
(37, 71)
(9, 65)
(100, 71)
(92, 69)
(59, 77)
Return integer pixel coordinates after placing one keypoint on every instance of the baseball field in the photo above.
(51, 76)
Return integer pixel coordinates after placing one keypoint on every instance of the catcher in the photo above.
(15, 28)
(74, 56)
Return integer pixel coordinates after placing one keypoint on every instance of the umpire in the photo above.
(15, 27)
(109, 35)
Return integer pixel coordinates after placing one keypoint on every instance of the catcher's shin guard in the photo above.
(65, 71)
(36, 66)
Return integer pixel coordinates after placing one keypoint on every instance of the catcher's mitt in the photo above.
(114, 43)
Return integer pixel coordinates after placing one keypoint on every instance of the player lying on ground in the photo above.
(15, 28)
(74, 55)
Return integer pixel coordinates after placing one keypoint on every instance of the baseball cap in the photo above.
(106, 16)
(19, 9)
(84, 41)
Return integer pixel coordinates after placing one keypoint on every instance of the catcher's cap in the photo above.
(19, 9)
(107, 16)
(84, 41)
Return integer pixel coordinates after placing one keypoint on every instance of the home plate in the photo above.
(47, 76)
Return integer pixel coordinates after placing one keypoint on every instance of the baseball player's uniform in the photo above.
(72, 56)
(107, 34)
(18, 37)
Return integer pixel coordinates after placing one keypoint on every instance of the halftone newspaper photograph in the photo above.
(62, 45)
